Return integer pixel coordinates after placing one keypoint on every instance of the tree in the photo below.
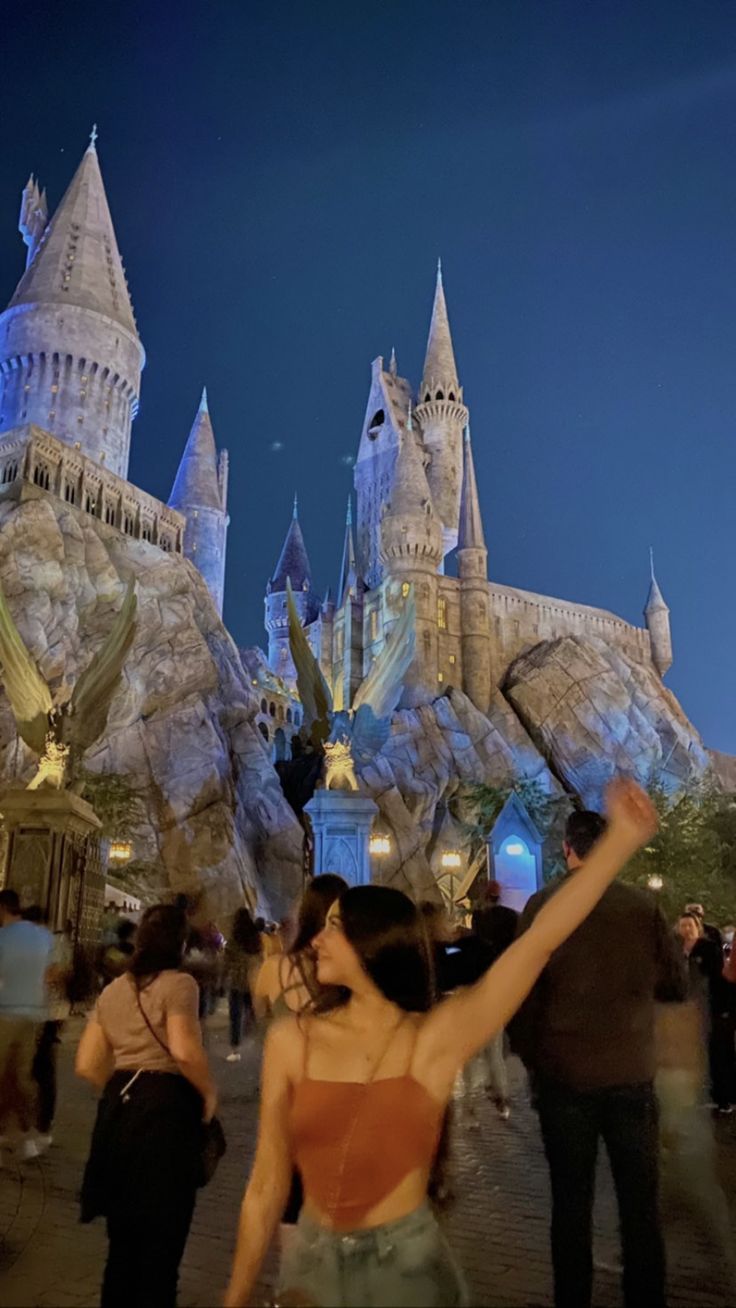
(117, 802)
(694, 852)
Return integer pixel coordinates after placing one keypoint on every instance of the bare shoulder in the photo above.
(284, 1045)
(268, 973)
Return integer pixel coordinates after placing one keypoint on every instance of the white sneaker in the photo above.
(29, 1149)
(233, 1056)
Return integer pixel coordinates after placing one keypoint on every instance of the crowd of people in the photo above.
(382, 1021)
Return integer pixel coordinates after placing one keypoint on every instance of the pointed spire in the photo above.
(410, 492)
(393, 366)
(348, 570)
(197, 482)
(409, 419)
(93, 138)
(440, 369)
(470, 530)
(295, 514)
(655, 598)
(203, 408)
(77, 260)
(293, 560)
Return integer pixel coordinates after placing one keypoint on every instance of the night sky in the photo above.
(282, 178)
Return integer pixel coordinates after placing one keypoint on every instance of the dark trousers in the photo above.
(722, 1058)
(241, 1007)
(143, 1260)
(626, 1119)
(44, 1074)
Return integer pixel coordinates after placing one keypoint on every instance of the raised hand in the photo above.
(631, 813)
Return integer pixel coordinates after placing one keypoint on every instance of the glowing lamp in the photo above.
(379, 845)
(120, 852)
(515, 848)
(451, 859)
(655, 881)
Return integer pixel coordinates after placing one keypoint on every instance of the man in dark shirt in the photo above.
(586, 1035)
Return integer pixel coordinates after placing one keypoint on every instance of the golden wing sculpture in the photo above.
(29, 695)
(381, 689)
(85, 718)
(314, 692)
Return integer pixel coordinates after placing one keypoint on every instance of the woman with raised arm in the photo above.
(355, 1097)
(287, 983)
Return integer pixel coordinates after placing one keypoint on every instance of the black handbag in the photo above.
(212, 1141)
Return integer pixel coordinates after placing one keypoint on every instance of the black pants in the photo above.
(44, 1074)
(722, 1058)
(144, 1255)
(241, 1014)
(626, 1120)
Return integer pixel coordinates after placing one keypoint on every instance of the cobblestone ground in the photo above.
(498, 1227)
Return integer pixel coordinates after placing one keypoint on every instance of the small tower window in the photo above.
(439, 395)
(453, 660)
(264, 706)
(451, 396)
(376, 423)
(374, 624)
(405, 588)
(272, 710)
(442, 613)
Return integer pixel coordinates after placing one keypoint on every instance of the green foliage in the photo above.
(116, 801)
(694, 851)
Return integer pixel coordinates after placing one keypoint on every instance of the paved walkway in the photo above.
(498, 1227)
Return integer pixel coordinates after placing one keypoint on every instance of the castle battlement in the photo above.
(33, 459)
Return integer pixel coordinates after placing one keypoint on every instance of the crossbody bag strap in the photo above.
(144, 1015)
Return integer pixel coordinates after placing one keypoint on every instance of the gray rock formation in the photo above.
(182, 725)
(431, 753)
(592, 712)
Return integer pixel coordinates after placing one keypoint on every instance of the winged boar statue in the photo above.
(60, 730)
(367, 723)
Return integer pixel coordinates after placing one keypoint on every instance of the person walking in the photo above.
(710, 983)
(356, 1093)
(287, 982)
(143, 1048)
(586, 1036)
(242, 961)
(25, 955)
(496, 925)
(58, 1007)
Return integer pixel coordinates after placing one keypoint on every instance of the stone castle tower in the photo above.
(70, 370)
(200, 493)
(417, 509)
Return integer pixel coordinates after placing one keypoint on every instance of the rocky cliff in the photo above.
(182, 723)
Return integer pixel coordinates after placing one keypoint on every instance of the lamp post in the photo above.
(655, 881)
(119, 853)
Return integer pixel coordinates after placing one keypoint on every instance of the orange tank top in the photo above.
(354, 1142)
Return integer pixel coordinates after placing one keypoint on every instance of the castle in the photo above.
(417, 503)
(70, 371)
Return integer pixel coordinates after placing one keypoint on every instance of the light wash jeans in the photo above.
(402, 1264)
(487, 1071)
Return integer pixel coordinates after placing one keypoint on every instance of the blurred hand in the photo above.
(631, 813)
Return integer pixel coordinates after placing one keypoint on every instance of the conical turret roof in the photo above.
(196, 484)
(293, 559)
(348, 570)
(77, 260)
(410, 493)
(440, 369)
(655, 598)
(470, 530)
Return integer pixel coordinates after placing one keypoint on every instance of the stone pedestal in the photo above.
(52, 857)
(341, 822)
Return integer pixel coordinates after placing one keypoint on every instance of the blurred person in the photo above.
(25, 956)
(58, 1007)
(242, 961)
(496, 925)
(586, 1036)
(707, 980)
(355, 1093)
(689, 1172)
(117, 954)
(142, 1047)
(709, 930)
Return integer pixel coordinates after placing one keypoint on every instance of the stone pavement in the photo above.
(498, 1227)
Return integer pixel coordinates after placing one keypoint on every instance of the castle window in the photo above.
(439, 395)
(405, 588)
(54, 388)
(110, 515)
(70, 494)
(41, 476)
(264, 706)
(453, 660)
(374, 624)
(451, 396)
(146, 533)
(440, 676)
(272, 710)
(442, 613)
(427, 398)
(288, 715)
(165, 544)
(263, 730)
(375, 424)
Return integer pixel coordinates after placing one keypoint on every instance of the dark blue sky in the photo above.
(282, 178)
